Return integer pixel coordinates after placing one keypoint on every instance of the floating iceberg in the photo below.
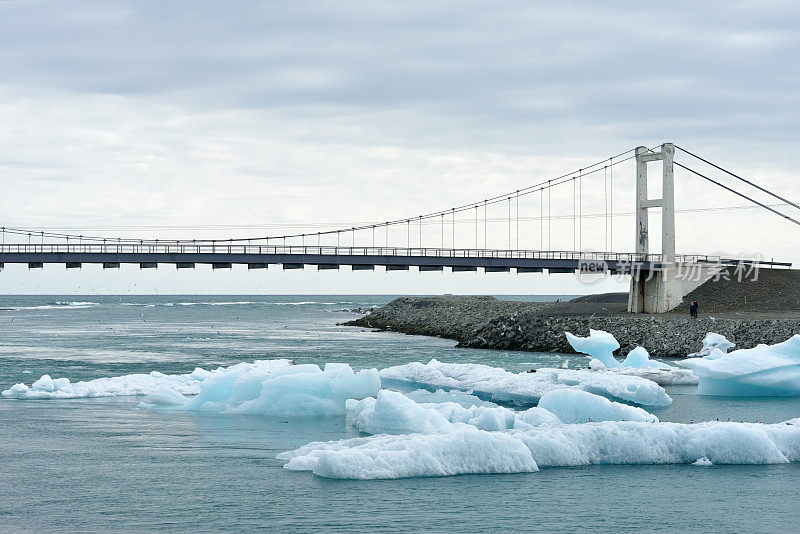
(711, 342)
(394, 413)
(640, 359)
(468, 450)
(134, 384)
(765, 370)
(597, 365)
(662, 443)
(600, 346)
(272, 387)
(537, 416)
(283, 390)
(498, 385)
(163, 398)
(575, 406)
(459, 397)
(662, 377)
(465, 451)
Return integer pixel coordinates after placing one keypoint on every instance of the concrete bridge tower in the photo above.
(662, 290)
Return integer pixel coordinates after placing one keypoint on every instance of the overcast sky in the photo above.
(216, 119)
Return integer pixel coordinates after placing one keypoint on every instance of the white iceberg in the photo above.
(468, 450)
(640, 358)
(394, 413)
(118, 386)
(536, 416)
(459, 397)
(465, 451)
(597, 365)
(600, 346)
(764, 370)
(287, 390)
(523, 389)
(662, 377)
(575, 406)
(711, 342)
(270, 387)
(162, 398)
(662, 443)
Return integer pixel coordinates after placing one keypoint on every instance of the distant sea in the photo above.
(106, 465)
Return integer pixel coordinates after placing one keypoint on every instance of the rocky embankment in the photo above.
(487, 323)
(765, 290)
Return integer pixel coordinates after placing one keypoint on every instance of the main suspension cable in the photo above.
(564, 178)
(754, 201)
(605, 208)
(611, 202)
(767, 191)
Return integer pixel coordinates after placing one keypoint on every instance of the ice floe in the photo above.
(662, 443)
(764, 370)
(395, 413)
(498, 385)
(272, 387)
(303, 390)
(640, 358)
(713, 341)
(459, 397)
(662, 377)
(600, 346)
(575, 406)
(134, 384)
(465, 449)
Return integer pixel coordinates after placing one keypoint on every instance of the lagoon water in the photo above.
(106, 465)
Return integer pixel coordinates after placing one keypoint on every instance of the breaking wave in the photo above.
(55, 305)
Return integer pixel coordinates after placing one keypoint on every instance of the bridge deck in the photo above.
(289, 256)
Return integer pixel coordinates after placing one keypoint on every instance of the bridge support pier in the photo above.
(663, 290)
(655, 291)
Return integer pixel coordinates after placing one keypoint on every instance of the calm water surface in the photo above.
(106, 465)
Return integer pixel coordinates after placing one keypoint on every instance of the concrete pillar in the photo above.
(660, 291)
(642, 240)
(668, 204)
(636, 293)
(665, 289)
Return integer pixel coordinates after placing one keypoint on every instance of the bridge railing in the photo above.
(301, 250)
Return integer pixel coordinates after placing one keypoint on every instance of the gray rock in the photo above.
(485, 322)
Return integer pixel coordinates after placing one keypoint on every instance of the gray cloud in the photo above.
(514, 66)
(289, 112)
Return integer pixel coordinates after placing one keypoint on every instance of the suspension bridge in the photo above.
(658, 280)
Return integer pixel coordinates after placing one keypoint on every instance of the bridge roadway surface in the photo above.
(221, 256)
